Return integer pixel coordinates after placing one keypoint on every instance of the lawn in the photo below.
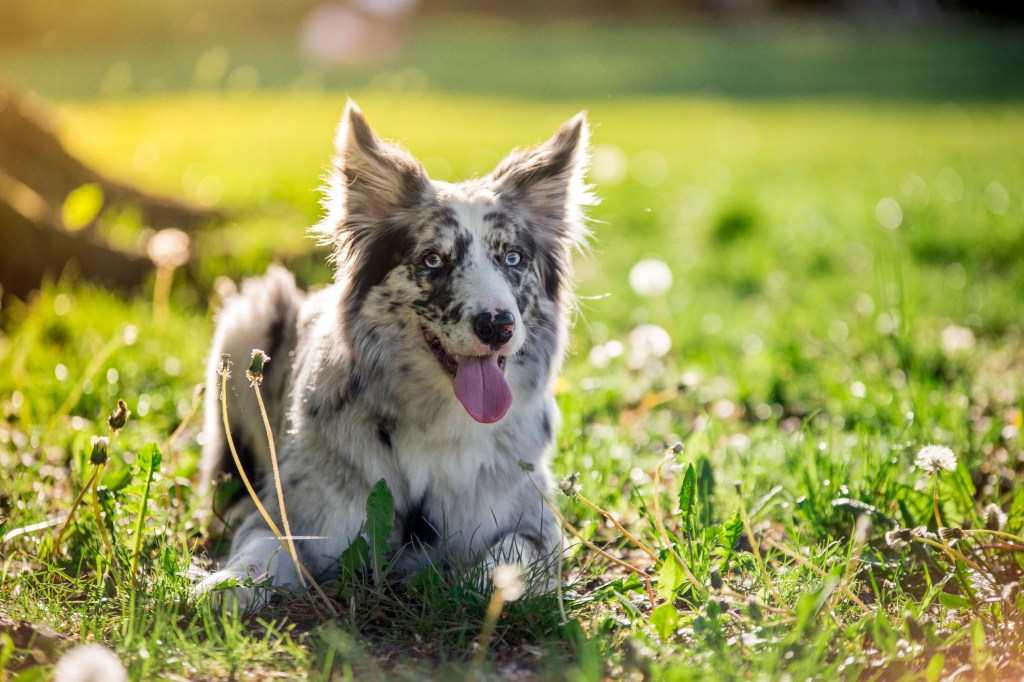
(845, 290)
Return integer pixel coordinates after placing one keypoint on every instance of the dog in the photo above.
(428, 363)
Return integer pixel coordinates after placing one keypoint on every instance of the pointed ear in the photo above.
(378, 176)
(547, 181)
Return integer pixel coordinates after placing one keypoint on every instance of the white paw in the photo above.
(231, 592)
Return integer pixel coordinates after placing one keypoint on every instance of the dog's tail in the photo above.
(261, 316)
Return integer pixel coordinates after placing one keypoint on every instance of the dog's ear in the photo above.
(547, 181)
(375, 177)
(373, 187)
(546, 184)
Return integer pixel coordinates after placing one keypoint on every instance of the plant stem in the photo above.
(277, 482)
(71, 514)
(256, 498)
(98, 474)
(139, 522)
(806, 563)
(647, 550)
(755, 550)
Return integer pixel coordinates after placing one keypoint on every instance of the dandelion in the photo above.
(957, 340)
(995, 517)
(570, 485)
(650, 277)
(119, 417)
(90, 662)
(508, 586)
(950, 534)
(100, 447)
(647, 341)
(255, 372)
(508, 580)
(168, 249)
(935, 458)
(897, 538)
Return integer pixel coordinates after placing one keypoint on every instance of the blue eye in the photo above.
(513, 258)
(432, 261)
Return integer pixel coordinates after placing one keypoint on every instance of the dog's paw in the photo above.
(230, 592)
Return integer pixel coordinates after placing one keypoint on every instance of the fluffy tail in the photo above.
(262, 315)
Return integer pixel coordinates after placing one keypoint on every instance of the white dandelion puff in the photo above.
(650, 277)
(935, 458)
(508, 580)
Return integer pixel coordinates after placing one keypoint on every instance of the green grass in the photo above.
(600, 59)
(806, 370)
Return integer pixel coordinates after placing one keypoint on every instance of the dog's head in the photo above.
(474, 270)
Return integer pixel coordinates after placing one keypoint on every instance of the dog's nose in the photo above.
(494, 330)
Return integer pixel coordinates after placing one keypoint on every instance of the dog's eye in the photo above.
(513, 258)
(432, 261)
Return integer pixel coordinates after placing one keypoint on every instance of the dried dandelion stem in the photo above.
(647, 550)
(96, 507)
(74, 508)
(755, 550)
(252, 492)
(806, 563)
(1016, 539)
(277, 480)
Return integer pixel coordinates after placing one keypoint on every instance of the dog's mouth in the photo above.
(478, 380)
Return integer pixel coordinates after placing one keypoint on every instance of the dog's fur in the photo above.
(361, 385)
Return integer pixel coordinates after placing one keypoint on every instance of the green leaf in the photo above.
(81, 206)
(706, 491)
(933, 672)
(3, 527)
(115, 480)
(380, 520)
(954, 601)
(688, 499)
(670, 579)
(665, 620)
(149, 457)
(731, 534)
(356, 557)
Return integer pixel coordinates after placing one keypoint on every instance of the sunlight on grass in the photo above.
(800, 294)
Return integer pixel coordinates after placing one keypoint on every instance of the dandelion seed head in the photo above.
(650, 277)
(995, 517)
(957, 340)
(508, 580)
(119, 417)
(255, 372)
(169, 248)
(100, 447)
(935, 458)
(570, 485)
(90, 662)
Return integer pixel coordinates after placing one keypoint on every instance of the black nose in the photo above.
(494, 330)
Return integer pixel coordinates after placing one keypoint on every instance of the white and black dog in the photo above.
(429, 363)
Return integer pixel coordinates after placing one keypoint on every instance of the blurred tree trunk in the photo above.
(31, 153)
(36, 250)
(36, 176)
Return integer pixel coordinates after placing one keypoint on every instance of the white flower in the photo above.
(169, 248)
(90, 662)
(650, 277)
(995, 517)
(647, 341)
(935, 458)
(956, 340)
(508, 581)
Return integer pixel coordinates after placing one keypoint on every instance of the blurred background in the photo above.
(805, 177)
(931, 49)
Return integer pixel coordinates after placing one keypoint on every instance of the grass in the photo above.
(845, 291)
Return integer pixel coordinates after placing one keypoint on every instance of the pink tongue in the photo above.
(481, 388)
